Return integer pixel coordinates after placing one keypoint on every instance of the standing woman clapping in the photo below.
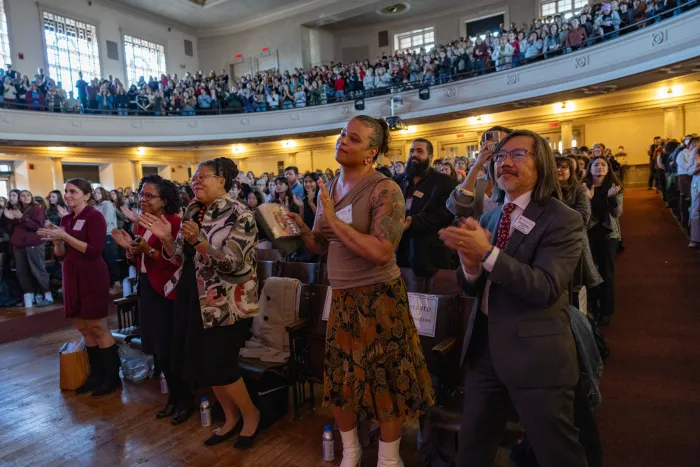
(604, 190)
(80, 241)
(374, 368)
(57, 207)
(30, 251)
(217, 293)
(158, 197)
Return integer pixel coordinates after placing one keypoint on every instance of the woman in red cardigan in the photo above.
(29, 250)
(158, 197)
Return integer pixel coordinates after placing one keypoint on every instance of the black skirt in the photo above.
(207, 357)
(156, 318)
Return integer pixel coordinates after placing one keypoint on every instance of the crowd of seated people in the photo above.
(674, 172)
(212, 93)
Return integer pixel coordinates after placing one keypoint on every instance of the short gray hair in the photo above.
(547, 185)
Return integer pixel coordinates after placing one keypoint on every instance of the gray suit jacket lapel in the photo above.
(532, 212)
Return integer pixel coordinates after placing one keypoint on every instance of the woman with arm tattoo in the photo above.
(374, 366)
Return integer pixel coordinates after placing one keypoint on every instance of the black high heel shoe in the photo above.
(217, 438)
(245, 442)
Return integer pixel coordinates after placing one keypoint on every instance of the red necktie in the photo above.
(504, 226)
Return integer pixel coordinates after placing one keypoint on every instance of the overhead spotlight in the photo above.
(424, 92)
(360, 102)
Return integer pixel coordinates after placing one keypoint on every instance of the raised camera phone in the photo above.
(491, 139)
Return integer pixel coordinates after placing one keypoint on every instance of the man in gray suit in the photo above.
(518, 260)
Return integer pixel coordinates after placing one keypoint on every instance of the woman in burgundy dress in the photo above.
(80, 241)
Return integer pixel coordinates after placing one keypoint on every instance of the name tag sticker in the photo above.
(79, 224)
(409, 203)
(418, 194)
(524, 224)
(345, 214)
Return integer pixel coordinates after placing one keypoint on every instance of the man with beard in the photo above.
(518, 260)
(426, 191)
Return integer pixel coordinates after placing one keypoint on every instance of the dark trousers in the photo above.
(31, 268)
(547, 414)
(111, 256)
(652, 174)
(604, 251)
(684, 182)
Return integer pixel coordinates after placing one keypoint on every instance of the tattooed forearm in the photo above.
(388, 214)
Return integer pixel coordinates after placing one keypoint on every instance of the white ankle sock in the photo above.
(389, 454)
(352, 450)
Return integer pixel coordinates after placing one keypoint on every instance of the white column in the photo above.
(136, 173)
(674, 122)
(567, 134)
(57, 170)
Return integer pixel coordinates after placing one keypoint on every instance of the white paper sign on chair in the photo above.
(424, 311)
(327, 305)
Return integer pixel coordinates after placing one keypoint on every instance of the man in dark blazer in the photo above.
(426, 192)
(518, 261)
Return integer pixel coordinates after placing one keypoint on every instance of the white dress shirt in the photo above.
(521, 203)
(684, 162)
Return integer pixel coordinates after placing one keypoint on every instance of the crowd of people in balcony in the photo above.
(211, 93)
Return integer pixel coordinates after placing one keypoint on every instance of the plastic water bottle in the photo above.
(328, 446)
(163, 384)
(205, 412)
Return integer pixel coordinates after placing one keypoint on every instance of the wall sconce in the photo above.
(563, 106)
(289, 143)
(668, 91)
(237, 148)
(140, 151)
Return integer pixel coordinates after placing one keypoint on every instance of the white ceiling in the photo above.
(217, 17)
(418, 8)
(219, 14)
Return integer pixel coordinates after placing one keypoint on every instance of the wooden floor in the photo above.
(18, 312)
(40, 425)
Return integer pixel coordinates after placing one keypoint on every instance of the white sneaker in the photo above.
(692, 245)
(389, 454)
(352, 451)
(28, 300)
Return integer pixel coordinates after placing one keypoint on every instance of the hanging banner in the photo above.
(424, 311)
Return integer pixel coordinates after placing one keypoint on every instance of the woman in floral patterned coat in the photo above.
(217, 295)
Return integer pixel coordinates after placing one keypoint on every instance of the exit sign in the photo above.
(554, 125)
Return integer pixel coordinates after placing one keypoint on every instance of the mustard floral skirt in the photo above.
(374, 364)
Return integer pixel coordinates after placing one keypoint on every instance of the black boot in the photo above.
(95, 376)
(110, 372)
(171, 405)
(185, 403)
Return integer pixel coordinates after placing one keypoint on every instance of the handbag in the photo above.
(74, 370)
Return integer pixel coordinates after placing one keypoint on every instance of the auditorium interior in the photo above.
(128, 89)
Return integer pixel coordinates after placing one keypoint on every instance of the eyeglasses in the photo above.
(516, 155)
(562, 167)
(200, 178)
(147, 196)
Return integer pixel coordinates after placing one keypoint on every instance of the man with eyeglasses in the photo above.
(518, 260)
